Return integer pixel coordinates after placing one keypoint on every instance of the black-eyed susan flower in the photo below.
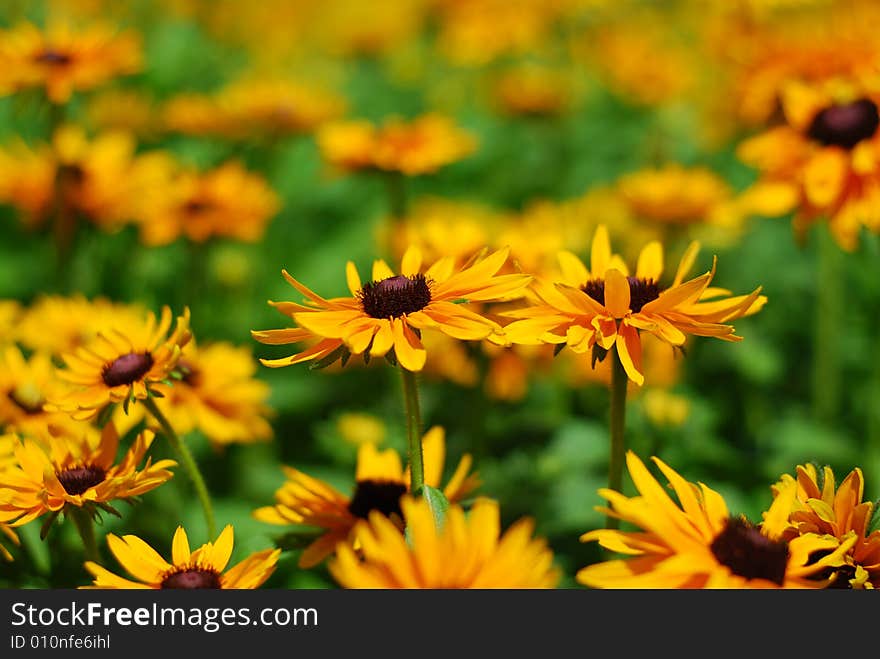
(695, 542)
(215, 392)
(820, 507)
(63, 59)
(204, 567)
(413, 148)
(380, 482)
(533, 91)
(25, 386)
(122, 364)
(468, 551)
(66, 471)
(389, 312)
(822, 163)
(607, 307)
(224, 202)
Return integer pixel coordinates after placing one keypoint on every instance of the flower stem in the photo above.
(413, 430)
(189, 463)
(619, 381)
(826, 374)
(83, 522)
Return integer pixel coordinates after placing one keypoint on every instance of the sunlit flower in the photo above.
(79, 470)
(205, 567)
(226, 202)
(124, 110)
(695, 542)
(390, 311)
(97, 179)
(360, 428)
(533, 91)
(819, 508)
(468, 551)
(10, 315)
(75, 321)
(25, 386)
(606, 307)
(822, 163)
(349, 28)
(124, 363)
(420, 146)
(677, 197)
(215, 393)
(380, 483)
(63, 59)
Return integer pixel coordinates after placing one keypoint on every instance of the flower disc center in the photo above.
(53, 58)
(383, 496)
(845, 125)
(395, 296)
(749, 553)
(641, 291)
(192, 579)
(127, 369)
(77, 480)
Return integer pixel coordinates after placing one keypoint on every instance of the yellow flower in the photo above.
(469, 551)
(124, 363)
(125, 111)
(10, 316)
(215, 392)
(204, 567)
(25, 386)
(360, 428)
(695, 542)
(533, 91)
(607, 307)
(822, 162)
(77, 470)
(99, 179)
(380, 483)
(75, 321)
(390, 311)
(62, 59)
(227, 201)
(837, 513)
(420, 146)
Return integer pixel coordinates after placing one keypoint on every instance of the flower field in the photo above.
(439, 294)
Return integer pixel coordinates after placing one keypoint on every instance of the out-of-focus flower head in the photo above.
(420, 146)
(227, 201)
(63, 58)
(532, 90)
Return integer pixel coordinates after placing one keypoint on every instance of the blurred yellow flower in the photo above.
(226, 202)
(469, 550)
(380, 482)
(361, 428)
(420, 146)
(533, 91)
(63, 59)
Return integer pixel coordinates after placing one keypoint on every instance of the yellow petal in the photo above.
(616, 293)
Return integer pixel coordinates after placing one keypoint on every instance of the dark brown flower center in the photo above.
(127, 369)
(196, 207)
(193, 578)
(383, 496)
(77, 480)
(748, 553)
(395, 296)
(845, 125)
(641, 291)
(53, 58)
(27, 397)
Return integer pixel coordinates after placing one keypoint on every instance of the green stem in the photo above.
(413, 430)
(83, 522)
(188, 462)
(617, 455)
(826, 374)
